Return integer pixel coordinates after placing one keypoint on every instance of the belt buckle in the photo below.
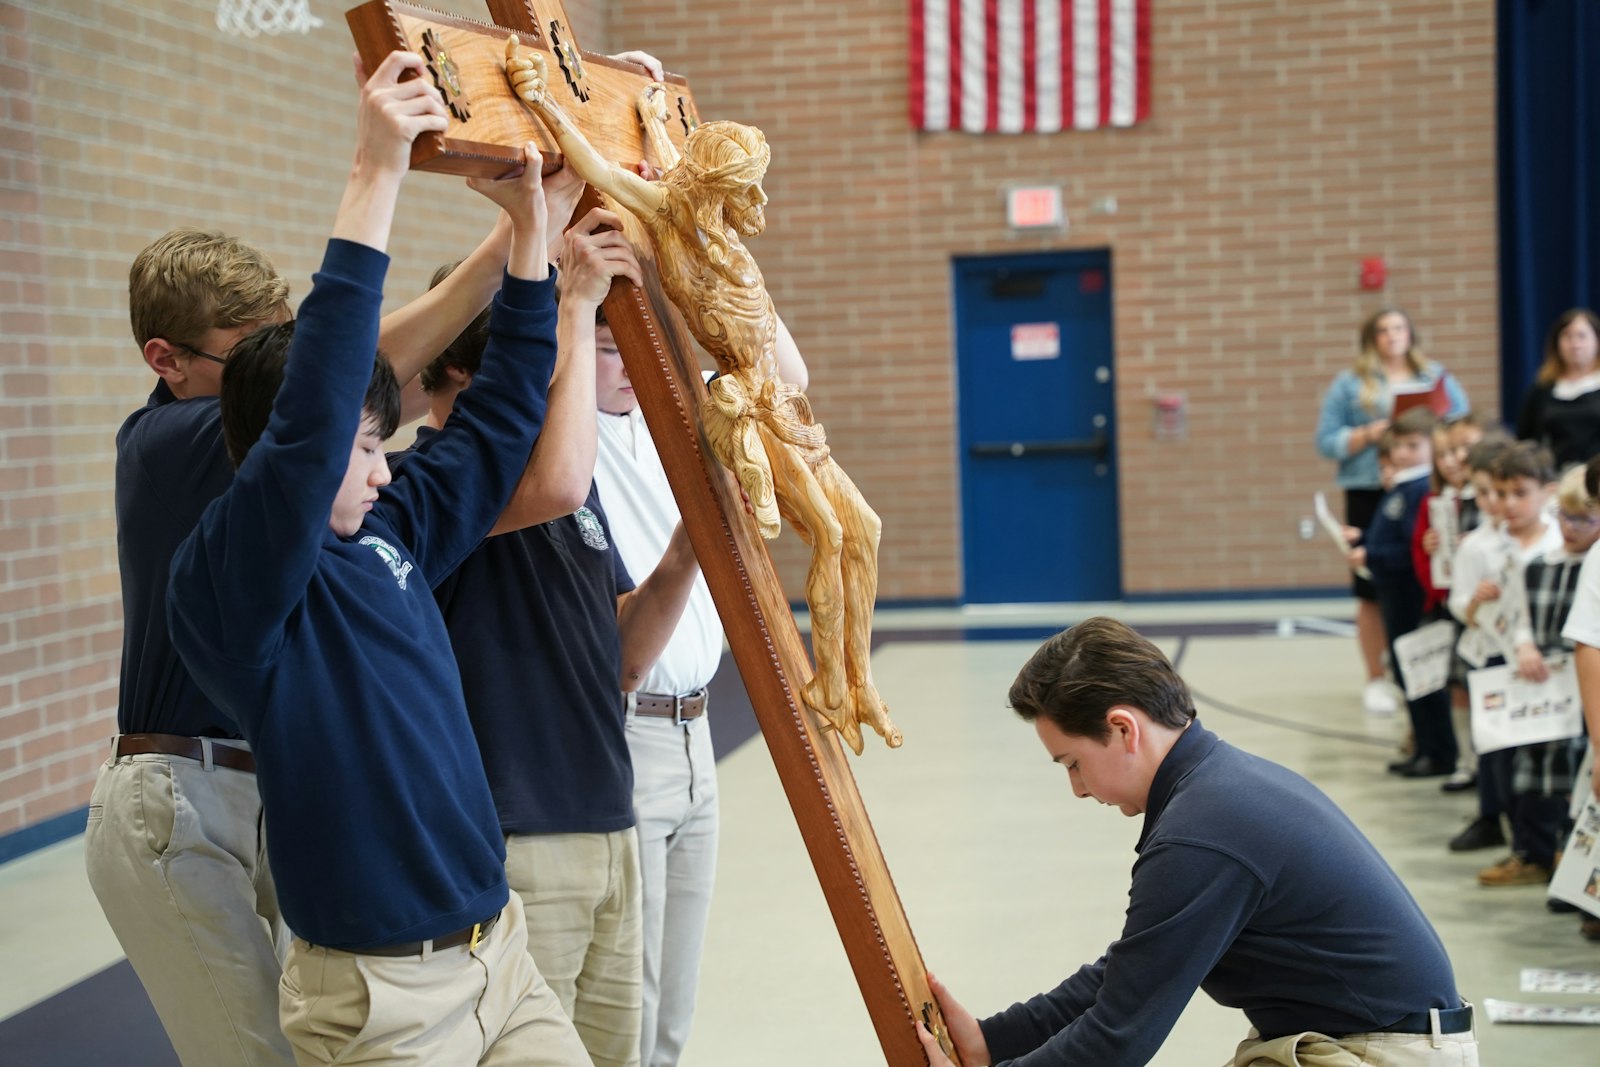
(677, 711)
(477, 936)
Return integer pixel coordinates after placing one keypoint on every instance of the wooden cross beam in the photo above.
(663, 366)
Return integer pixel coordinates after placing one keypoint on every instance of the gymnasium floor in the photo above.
(1009, 881)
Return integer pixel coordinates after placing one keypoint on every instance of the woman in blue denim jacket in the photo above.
(1355, 412)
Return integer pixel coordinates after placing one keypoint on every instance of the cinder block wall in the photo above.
(1289, 139)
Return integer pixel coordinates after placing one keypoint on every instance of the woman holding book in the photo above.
(1562, 409)
(1355, 411)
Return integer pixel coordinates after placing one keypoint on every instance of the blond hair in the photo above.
(1368, 360)
(1572, 494)
(190, 281)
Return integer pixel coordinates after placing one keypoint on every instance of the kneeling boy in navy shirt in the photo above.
(302, 605)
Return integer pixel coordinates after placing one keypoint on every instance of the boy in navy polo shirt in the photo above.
(301, 604)
(548, 631)
(199, 919)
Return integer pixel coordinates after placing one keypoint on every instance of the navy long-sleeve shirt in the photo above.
(170, 464)
(1253, 886)
(1388, 539)
(330, 652)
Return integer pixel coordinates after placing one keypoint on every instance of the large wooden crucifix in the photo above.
(467, 61)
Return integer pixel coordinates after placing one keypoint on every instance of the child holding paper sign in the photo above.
(1583, 630)
(1386, 551)
(1542, 774)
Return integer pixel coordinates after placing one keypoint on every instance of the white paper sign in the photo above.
(1425, 657)
(1035, 340)
(1505, 1011)
(1499, 620)
(1508, 710)
(1335, 530)
(1442, 521)
(1577, 877)
(1535, 980)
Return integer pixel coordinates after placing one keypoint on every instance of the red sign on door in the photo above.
(1035, 340)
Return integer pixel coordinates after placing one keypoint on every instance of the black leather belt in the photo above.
(222, 754)
(469, 936)
(678, 709)
(1451, 1021)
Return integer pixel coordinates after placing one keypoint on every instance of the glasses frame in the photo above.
(193, 351)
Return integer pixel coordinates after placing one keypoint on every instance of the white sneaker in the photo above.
(1378, 698)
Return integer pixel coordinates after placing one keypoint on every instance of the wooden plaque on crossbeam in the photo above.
(488, 124)
(662, 364)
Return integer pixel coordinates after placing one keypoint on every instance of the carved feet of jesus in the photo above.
(854, 706)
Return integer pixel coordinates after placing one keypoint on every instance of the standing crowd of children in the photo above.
(1479, 532)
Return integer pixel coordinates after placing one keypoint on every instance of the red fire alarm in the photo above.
(1374, 273)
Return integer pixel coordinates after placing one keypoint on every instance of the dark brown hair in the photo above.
(1525, 460)
(1083, 672)
(1553, 366)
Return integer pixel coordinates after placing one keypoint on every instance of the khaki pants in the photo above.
(580, 893)
(176, 856)
(1359, 1050)
(451, 1008)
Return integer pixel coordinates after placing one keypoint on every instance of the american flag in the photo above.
(1015, 66)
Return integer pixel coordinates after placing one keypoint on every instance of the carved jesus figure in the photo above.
(757, 425)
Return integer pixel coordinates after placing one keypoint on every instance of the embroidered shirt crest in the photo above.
(594, 534)
(1394, 507)
(398, 566)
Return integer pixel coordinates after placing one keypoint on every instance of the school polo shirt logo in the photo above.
(594, 535)
(1394, 507)
(386, 552)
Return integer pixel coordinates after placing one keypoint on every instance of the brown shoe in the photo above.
(1514, 870)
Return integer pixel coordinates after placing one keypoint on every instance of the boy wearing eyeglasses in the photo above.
(303, 605)
(175, 848)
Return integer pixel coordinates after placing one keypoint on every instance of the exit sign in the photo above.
(1035, 207)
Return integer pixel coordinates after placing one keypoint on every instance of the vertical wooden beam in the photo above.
(812, 762)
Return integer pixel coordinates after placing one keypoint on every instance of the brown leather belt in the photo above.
(469, 936)
(222, 754)
(678, 709)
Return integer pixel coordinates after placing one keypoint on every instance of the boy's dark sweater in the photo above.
(330, 652)
(1388, 539)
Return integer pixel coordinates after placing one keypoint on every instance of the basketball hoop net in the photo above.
(248, 18)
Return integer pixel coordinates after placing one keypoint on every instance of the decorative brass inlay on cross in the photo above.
(446, 75)
(571, 59)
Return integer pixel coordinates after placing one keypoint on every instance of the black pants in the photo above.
(1400, 603)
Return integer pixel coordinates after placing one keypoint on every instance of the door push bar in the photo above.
(1098, 446)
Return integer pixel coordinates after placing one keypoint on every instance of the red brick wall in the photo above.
(1289, 139)
(123, 120)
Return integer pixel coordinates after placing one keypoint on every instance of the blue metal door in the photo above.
(1038, 430)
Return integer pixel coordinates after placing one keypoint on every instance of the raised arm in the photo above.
(557, 478)
(413, 335)
(653, 114)
(526, 71)
(276, 513)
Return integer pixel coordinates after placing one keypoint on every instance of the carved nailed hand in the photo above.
(527, 73)
(653, 103)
